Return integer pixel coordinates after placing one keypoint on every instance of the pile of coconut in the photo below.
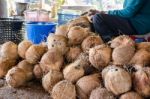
(76, 64)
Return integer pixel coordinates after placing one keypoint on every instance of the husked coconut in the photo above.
(34, 53)
(123, 54)
(117, 80)
(9, 50)
(76, 35)
(141, 81)
(73, 53)
(122, 40)
(141, 57)
(62, 30)
(50, 79)
(37, 71)
(102, 93)
(86, 84)
(131, 95)
(90, 42)
(143, 45)
(100, 56)
(73, 71)
(22, 48)
(58, 42)
(64, 90)
(52, 60)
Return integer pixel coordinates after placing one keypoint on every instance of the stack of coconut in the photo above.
(77, 64)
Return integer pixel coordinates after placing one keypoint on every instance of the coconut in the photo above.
(122, 40)
(73, 71)
(5, 65)
(73, 54)
(62, 30)
(16, 77)
(64, 90)
(100, 56)
(58, 42)
(9, 50)
(117, 80)
(131, 95)
(123, 54)
(80, 21)
(90, 42)
(101, 93)
(37, 71)
(86, 84)
(76, 35)
(50, 79)
(141, 57)
(34, 53)
(141, 81)
(22, 48)
(143, 45)
(52, 60)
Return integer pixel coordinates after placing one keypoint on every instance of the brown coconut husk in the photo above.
(117, 80)
(73, 53)
(101, 93)
(143, 45)
(22, 48)
(131, 95)
(38, 72)
(90, 42)
(58, 42)
(77, 34)
(62, 30)
(64, 90)
(50, 79)
(86, 84)
(52, 60)
(123, 54)
(100, 56)
(141, 57)
(34, 53)
(121, 40)
(141, 81)
(73, 71)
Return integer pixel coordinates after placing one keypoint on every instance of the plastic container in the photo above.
(38, 32)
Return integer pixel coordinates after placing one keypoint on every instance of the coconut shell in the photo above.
(5, 65)
(131, 95)
(58, 42)
(76, 35)
(73, 54)
(34, 53)
(16, 77)
(141, 81)
(37, 71)
(117, 80)
(141, 57)
(22, 48)
(102, 93)
(143, 45)
(100, 56)
(86, 84)
(9, 50)
(52, 60)
(62, 30)
(122, 40)
(123, 54)
(73, 71)
(90, 42)
(64, 90)
(50, 79)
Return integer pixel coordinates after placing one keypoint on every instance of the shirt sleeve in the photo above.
(129, 10)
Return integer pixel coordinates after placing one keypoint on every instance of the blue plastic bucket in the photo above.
(38, 32)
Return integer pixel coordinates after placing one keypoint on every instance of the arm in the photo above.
(130, 10)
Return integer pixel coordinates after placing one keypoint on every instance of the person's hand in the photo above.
(93, 12)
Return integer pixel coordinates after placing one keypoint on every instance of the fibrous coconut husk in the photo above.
(143, 45)
(62, 30)
(131, 95)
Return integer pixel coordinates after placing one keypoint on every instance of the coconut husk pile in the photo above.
(75, 63)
